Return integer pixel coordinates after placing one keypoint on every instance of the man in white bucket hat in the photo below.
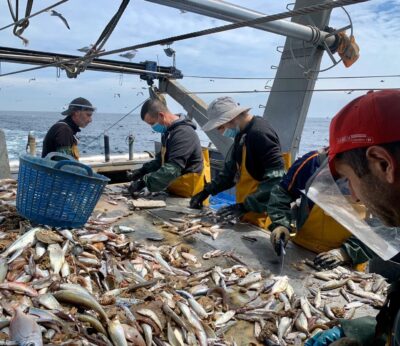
(253, 165)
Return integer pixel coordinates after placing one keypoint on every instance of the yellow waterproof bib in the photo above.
(321, 232)
(75, 151)
(190, 184)
(246, 186)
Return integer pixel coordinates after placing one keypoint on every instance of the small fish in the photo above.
(250, 279)
(49, 302)
(172, 339)
(354, 305)
(345, 295)
(330, 285)
(328, 312)
(301, 323)
(117, 334)
(148, 334)
(351, 285)
(24, 330)
(280, 285)
(317, 299)
(152, 315)
(378, 284)
(77, 298)
(224, 318)
(94, 322)
(24, 241)
(56, 255)
(305, 306)
(368, 295)
(283, 327)
(3, 269)
(20, 288)
(325, 276)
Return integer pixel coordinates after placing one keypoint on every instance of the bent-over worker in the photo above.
(179, 167)
(313, 228)
(253, 164)
(61, 137)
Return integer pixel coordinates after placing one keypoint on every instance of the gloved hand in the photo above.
(279, 233)
(231, 212)
(197, 200)
(326, 337)
(136, 187)
(136, 174)
(332, 258)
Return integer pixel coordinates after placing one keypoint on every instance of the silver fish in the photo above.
(328, 312)
(224, 318)
(284, 326)
(56, 255)
(24, 330)
(330, 285)
(317, 299)
(152, 315)
(49, 302)
(148, 334)
(3, 269)
(305, 306)
(250, 279)
(353, 305)
(117, 333)
(24, 241)
(301, 323)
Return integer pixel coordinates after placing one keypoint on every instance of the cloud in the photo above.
(242, 52)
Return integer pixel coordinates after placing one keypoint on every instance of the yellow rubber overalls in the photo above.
(189, 184)
(245, 186)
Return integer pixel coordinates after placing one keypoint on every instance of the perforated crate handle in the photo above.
(60, 164)
(59, 156)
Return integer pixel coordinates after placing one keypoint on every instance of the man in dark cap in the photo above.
(62, 135)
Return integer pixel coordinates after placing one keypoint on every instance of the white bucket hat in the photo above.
(221, 111)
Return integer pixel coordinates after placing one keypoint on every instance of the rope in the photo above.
(289, 78)
(81, 66)
(33, 15)
(285, 91)
(118, 121)
(169, 40)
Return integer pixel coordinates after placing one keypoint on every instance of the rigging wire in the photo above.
(350, 90)
(227, 27)
(115, 123)
(34, 14)
(292, 78)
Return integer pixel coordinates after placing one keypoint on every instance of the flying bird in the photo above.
(129, 55)
(139, 93)
(31, 80)
(85, 49)
(59, 15)
(182, 11)
(115, 95)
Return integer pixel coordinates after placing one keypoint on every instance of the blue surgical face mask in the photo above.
(159, 128)
(231, 133)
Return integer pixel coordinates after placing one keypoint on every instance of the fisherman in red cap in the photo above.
(365, 150)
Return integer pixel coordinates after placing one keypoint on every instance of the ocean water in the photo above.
(17, 125)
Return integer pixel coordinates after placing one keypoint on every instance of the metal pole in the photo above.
(32, 143)
(233, 13)
(106, 148)
(131, 140)
(4, 163)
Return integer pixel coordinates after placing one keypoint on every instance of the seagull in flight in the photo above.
(31, 80)
(59, 15)
(129, 55)
(85, 49)
(139, 93)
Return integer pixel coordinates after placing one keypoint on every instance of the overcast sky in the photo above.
(242, 52)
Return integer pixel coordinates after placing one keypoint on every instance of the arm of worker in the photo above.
(278, 208)
(160, 179)
(259, 200)
(152, 165)
(357, 251)
(226, 178)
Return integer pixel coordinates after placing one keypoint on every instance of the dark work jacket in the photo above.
(61, 137)
(263, 162)
(183, 155)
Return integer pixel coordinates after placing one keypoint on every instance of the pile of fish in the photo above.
(97, 286)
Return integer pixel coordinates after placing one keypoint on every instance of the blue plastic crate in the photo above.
(57, 193)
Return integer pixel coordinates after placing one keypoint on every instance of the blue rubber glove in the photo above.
(326, 337)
